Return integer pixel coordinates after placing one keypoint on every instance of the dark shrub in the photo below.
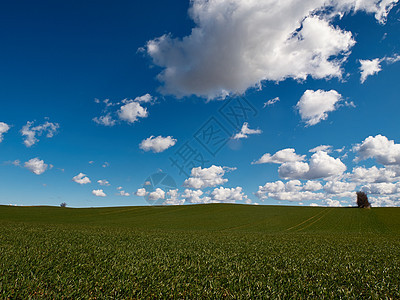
(63, 204)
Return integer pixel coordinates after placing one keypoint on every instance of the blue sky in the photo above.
(168, 70)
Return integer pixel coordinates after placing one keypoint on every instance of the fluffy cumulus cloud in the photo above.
(197, 196)
(314, 106)
(382, 188)
(340, 188)
(292, 190)
(370, 67)
(231, 195)
(312, 186)
(207, 177)
(385, 151)
(81, 179)
(331, 202)
(36, 166)
(3, 129)
(384, 201)
(31, 132)
(321, 165)
(236, 45)
(105, 120)
(128, 110)
(193, 196)
(324, 178)
(157, 194)
(141, 192)
(172, 198)
(99, 193)
(131, 111)
(147, 98)
(245, 132)
(374, 174)
(297, 191)
(326, 148)
(280, 157)
(157, 144)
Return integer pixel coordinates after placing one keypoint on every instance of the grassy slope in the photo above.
(216, 217)
(207, 251)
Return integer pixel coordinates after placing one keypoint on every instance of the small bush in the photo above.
(63, 204)
(362, 200)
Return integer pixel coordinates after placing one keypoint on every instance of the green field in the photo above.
(199, 251)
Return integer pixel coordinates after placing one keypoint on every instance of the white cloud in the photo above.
(3, 129)
(236, 45)
(147, 98)
(321, 165)
(141, 192)
(340, 188)
(271, 102)
(384, 201)
(337, 188)
(123, 193)
(280, 157)
(217, 195)
(36, 166)
(99, 193)
(314, 106)
(173, 198)
(157, 195)
(294, 170)
(246, 131)
(206, 177)
(292, 190)
(382, 188)
(230, 195)
(325, 148)
(385, 151)
(81, 179)
(340, 150)
(369, 67)
(31, 132)
(332, 203)
(193, 196)
(392, 59)
(374, 175)
(106, 164)
(131, 111)
(105, 120)
(103, 182)
(312, 186)
(157, 144)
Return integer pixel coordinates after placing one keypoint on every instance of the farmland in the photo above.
(199, 251)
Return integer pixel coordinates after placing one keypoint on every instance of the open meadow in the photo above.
(199, 251)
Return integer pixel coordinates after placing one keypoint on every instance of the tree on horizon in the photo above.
(362, 200)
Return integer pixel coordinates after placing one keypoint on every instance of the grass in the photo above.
(199, 251)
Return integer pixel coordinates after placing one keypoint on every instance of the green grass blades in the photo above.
(200, 251)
